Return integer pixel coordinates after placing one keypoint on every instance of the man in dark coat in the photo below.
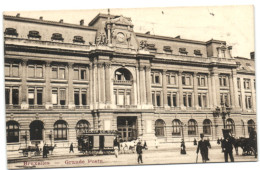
(44, 151)
(202, 147)
(183, 147)
(71, 148)
(227, 145)
(139, 151)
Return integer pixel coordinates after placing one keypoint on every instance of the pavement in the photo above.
(151, 156)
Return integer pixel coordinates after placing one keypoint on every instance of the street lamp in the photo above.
(182, 131)
(223, 112)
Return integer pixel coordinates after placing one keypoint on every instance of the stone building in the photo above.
(63, 79)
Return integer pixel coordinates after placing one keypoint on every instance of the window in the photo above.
(123, 74)
(239, 100)
(171, 78)
(159, 128)
(192, 127)
(155, 77)
(187, 99)
(82, 127)
(78, 39)
(12, 93)
(176, 124)
(248, 101)
(34, 35)
(207, 127)
(11, 32)
(122, 97)
(57, 37)
(197, 53)
(12, 131)
(202, 100)
(238, 83)
(35, 96)
(35, 71)
(230, 125)
(58, 96)
(80, 73)
(183, 51)
(247, 84)
(60, 130)
(201, 80)
(169, 100)
(11, 70)
(31, 96)
(223, 80)
(251, 126)
(174, 100)
(224, 98)
(36, 130)
(158, 99)
(58, 72)
(186, 80)
(80, 93)
(7, 96)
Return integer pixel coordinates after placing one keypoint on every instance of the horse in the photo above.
(248, 146)
(51, 148)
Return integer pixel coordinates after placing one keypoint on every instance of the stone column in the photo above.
(215, 88)
(48, 90)
(148, 84)
(70, 86)
(24, 90)
(180, 90)
(107, 82)
(164, 84)
(95, 87)
(142, 85)
(101, 84)
(195, 89)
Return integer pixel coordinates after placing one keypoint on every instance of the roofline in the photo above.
(243, 58)
(170, 38)
(216, 41)
(32, 20)
(100, 15)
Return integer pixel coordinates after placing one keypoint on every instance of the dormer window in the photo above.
(167, 49)
(197, 53)
(78, 39)
(183, 51)
(11, 32)
(34, 35)
(151, 47)
(57, 37)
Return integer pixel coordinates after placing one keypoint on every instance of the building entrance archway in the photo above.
(127, 127)
(36, 130)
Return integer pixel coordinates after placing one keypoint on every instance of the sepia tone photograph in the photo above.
(129, 86)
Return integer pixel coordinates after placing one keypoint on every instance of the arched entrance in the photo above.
(127, 127)
(36, 130)
(159, 128)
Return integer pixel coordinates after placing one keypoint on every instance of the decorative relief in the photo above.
(24, 62)
(143, 45)
(101, 39)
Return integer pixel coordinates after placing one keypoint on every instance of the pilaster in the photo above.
(70, 87)
(24, 89)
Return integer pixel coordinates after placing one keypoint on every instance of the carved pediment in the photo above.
(121, 21)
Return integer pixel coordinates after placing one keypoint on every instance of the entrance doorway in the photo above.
(127, 127)
(36, 130)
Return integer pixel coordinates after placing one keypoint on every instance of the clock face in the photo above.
(120, 37)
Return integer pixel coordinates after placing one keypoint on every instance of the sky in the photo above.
(233, 24)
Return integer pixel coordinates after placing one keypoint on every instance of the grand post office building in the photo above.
(63, 79)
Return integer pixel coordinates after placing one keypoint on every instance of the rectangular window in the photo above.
(7, 70)
(158, 99)
(15, 96)
(169, 99)
(76, 97)
(76, 74)
(238, 83)
(203, 82)
(84, 97)
(39, 96)
(54, 72)
(224, 81)
(199, 100)
(62, 73)
(168, 78)
(174, 100)
(204, 101)
(62, 97)
(127, 100)
(190, 100)
(83, 74)
(184, 100)
(120, 98)
(55, 96)
(198, 80)
(31, 96)
(239, 100)
(157, 79)
(39, 71)
(31, 71)
(220, 81)
(153, 99)
(7, 96)
(15, 70)
(187, 81)
(183, 80)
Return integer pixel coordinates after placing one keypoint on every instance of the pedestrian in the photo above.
(195, 142)
(183, 147)
(218, 141)
(139, 151)
(71, 148)
(45, 151)
(116, 146)
(145, 145)
(202, 147)
(156, 143)
(207, 150)
(227, 145)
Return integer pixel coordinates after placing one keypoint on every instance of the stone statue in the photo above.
(101, 39)
(143, 45)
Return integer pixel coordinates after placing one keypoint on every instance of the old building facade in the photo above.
(63, 79)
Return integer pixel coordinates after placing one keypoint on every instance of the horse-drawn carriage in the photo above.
(35, 150)
(248, 146)
(96, 142)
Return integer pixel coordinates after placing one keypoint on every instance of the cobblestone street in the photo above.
(160, 156)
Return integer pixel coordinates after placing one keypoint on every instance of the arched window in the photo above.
(230, 125)
(192, 127)
(207, 127)
(251, 125)
(176, 124)
(123, 74)
(159, 128)
(36, 130)
(82, 126)
(60, 130)
(12, 131)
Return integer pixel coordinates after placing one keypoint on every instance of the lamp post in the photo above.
(223, 112)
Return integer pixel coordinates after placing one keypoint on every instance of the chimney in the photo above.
(252, 55)
(178, 37)
(18, 15)
(41, 18)
(61, 21)
(81, 22)
(148, 32)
